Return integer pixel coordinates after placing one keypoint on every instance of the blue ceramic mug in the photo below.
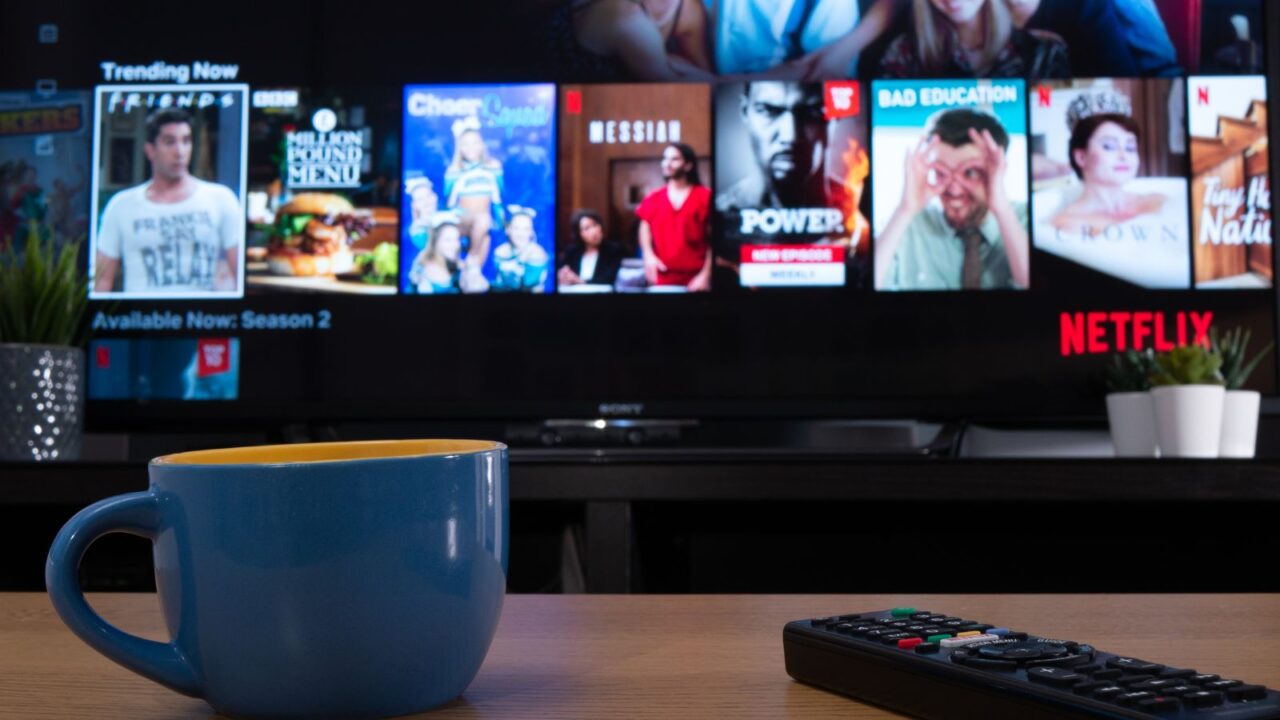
(354, 580)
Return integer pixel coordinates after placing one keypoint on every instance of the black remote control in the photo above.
(932, 665)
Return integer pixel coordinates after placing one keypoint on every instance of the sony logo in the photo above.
(621, 408)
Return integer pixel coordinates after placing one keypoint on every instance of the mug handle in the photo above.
(135, 514)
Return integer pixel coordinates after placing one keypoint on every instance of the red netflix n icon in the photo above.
(1202, 95)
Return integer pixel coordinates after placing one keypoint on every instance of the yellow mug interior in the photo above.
(326, 452)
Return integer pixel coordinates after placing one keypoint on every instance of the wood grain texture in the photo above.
(637, 656)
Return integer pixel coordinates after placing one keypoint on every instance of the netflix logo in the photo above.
(1088, 333)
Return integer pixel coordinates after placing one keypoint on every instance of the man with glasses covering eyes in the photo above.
(974, 237)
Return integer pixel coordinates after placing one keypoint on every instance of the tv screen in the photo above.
(670, 209)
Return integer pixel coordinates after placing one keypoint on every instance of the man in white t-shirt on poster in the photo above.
(175, 234)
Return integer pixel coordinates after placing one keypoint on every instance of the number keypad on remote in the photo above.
(1069, 678)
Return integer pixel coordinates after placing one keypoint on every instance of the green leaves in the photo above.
(1188, 365)
(1233, 346)
(43, 294)
(1131, 371)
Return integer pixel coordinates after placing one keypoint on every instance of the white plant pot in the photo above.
(1240, 423)
(1133, 424)
(1188, 420)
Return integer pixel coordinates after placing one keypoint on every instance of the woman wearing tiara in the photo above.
(473, 187)
(522, 262)
(1111, 219)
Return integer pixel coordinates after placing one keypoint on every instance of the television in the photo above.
(490, 211)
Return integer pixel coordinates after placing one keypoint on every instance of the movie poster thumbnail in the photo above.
(792, 166)
(949, 169)
(478, 190)
(785, 39)
(635, 164)
(167, 201)
(44, 173)
(323, 200)
(1109, 187)
(1232, 37)
(1230, 182)
(164, 369)
(613, 41)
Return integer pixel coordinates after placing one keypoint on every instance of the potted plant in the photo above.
(1129, 408)
(1187, 392)
(43, 298)
(1240, 406)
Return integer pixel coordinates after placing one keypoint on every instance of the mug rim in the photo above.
(326, 452)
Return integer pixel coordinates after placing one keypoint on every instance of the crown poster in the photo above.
(1109, 183)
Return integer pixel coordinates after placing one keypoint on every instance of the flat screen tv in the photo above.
(659, 208)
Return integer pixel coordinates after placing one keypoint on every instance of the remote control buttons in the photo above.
(1202, 699)
(1221, 684)
(1110, 692)
(1015, 654)
(908, 643)
(1159, 705)
(1202, 679)
(1069, 661)
(1157, 685)
(928, 648)
(1024, 650)
(1133, 698)
(1180, 690)
(1176, 673)
(1246, 692)
(1055, 677)
(1132, 665)
(894, 637)
(956, 642)
(903, 612)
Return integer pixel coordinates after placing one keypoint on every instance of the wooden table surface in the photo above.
(650, 656)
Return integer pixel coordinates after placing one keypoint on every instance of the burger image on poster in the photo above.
(313, 234)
